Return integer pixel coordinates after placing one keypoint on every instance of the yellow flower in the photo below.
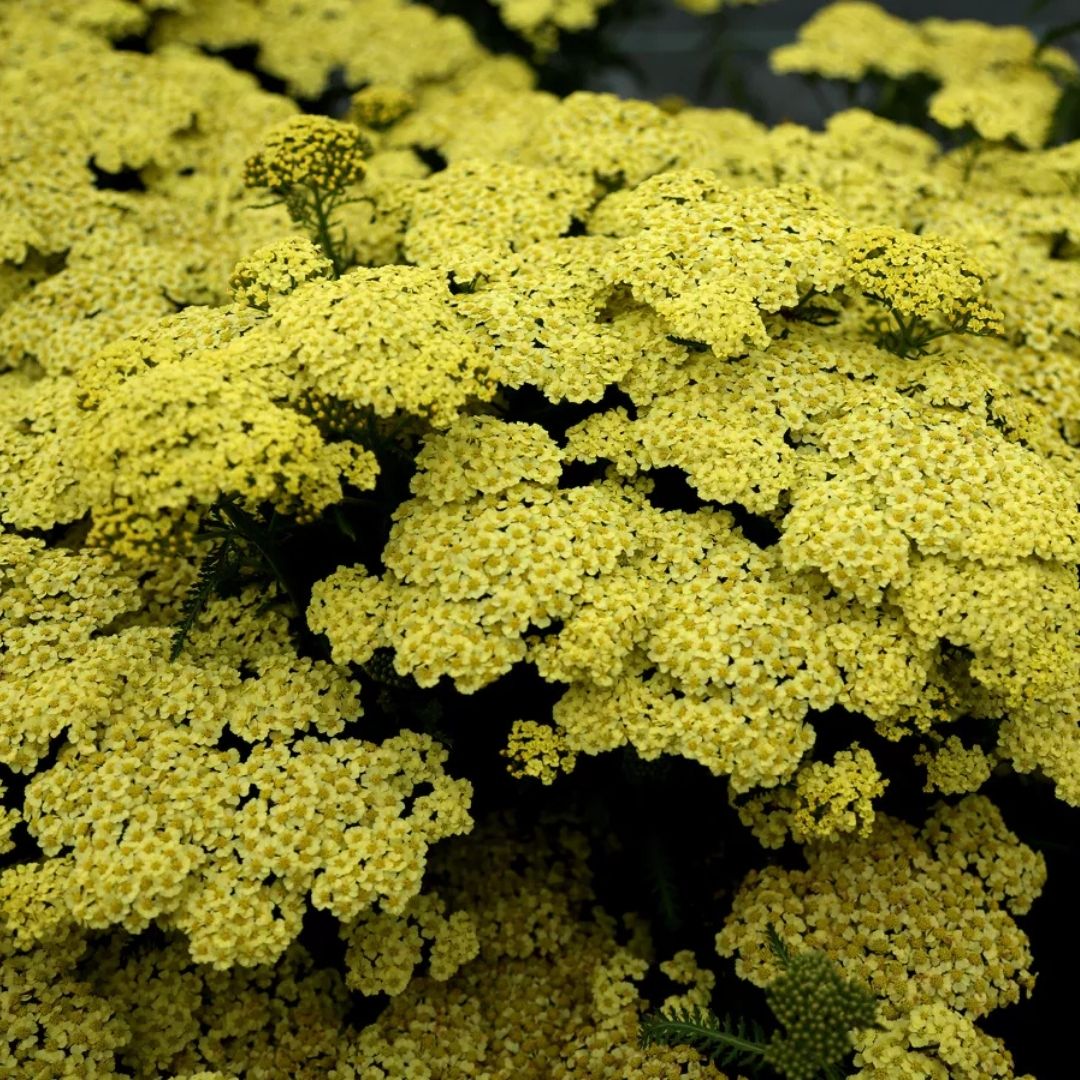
(311, 151)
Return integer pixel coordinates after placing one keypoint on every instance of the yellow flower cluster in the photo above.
(8, 820)
(313, 151)
(303, 41)
(548, 990)
(143, 818)
(266, 275)
(710, 259)
(189, 1021)
(379, 107)
(994, 79)
(922, 918)
(550, 995)
(615, 142)
(823, 802)
(699, 982)
(953, 768)
(184, 121)
(52, 1023)
(469, 214)
(187, 411)
(537, 750)
(389, 339)
(384, 949)
(921, 278)
(540, 21)
(931, 1041)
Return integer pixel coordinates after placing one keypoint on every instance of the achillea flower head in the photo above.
(380, 106)
(276, 270)
(311, 151)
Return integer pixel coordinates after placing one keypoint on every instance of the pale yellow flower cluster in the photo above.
(143, 818)
(274, 271)
(52, 1023)
(384, 949)
(932, 1041)
(953, 768)
(683, 968)
(389, 339)
(188, 1020)
(728, 508)
(709, 259)
(918, 277)
(172, 418)
(823, 801)
(539, 22)
(994, 79)
(469, 214)
(922, 918)
(550, 995)
(537, 750)
(540, 988)
(369, 41)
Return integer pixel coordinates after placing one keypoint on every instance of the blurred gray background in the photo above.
(722, 59)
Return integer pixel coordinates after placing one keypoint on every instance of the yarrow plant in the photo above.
(308, 163)
(550, 541)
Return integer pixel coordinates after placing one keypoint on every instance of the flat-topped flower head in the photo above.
(276, 270)
(313, 151)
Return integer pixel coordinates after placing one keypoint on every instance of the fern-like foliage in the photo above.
(777, 945)
(738, 1044)
(217, 569)
(244, 543)
(815, 1006)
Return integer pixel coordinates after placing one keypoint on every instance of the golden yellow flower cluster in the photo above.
(921, 278)
(551, 993)
(470, 213)
(52, 1023)
(931, 1041)
(385, 948)
(142, 818)
(621, 393)
(953, 768)
(368, 41)
(545, 990)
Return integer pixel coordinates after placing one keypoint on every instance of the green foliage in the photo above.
(218, 569)
(726, 1042)
(909, 337)
(245, 543)
(816, 1007)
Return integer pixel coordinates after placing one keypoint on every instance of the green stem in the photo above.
(977, 147)
(323, 229)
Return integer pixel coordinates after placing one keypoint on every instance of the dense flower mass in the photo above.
(364, 475)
